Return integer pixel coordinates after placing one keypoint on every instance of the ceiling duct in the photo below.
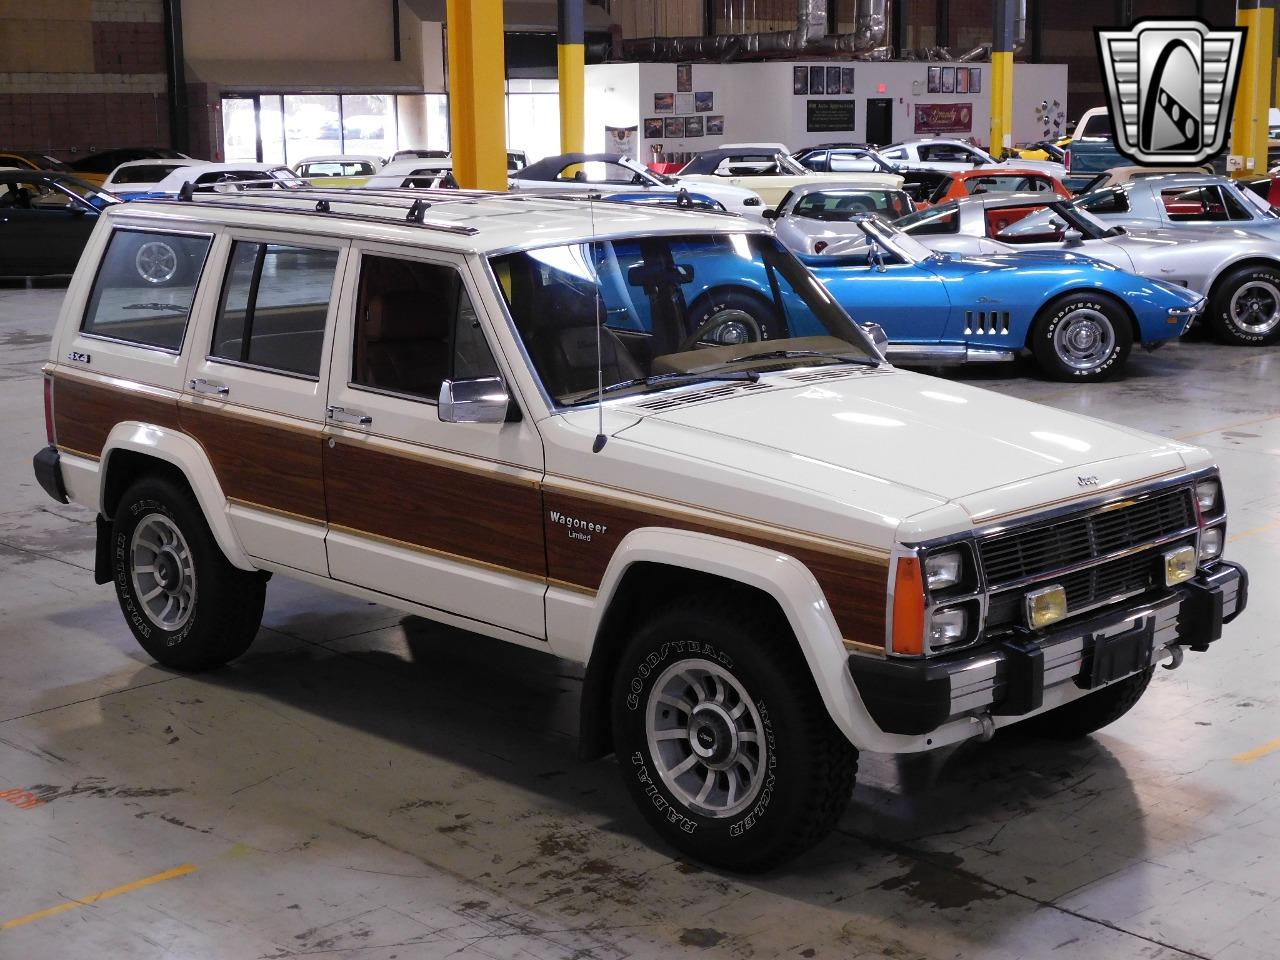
(980, 52)
(809, 38)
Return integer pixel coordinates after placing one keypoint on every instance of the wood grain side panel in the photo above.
(470, 514)
(84, 411)
(261, 463)
(855, 587)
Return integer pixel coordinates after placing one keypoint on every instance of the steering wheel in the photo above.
(744, 328)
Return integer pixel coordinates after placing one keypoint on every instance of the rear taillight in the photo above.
(1066, 161)
(48, 412)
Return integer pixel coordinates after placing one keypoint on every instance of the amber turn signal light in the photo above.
(908, 607)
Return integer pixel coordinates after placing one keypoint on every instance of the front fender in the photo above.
(797, 594)
(189, 457)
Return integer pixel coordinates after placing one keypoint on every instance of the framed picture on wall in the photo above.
(962, 80)
(684, 103)
(684, 77)
(948, 79)
(664, 103)
(799, 81)
(833, 80)
(817, 80)
(693, 126)
(715, 126)
(653, 128)
(935, 80)
(704, 101)
(673, 128)
(975, 79)
(846, 80)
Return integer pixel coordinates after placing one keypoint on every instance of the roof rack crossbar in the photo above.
(454, 228)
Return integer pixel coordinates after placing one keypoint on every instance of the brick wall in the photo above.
(77, 76)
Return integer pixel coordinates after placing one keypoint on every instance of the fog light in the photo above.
(1210, 542)
(1046, 606)
(947, 626)
(1179, 565)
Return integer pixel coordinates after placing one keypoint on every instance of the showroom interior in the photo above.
(640, 479)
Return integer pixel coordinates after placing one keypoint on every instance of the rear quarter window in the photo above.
(144, 289)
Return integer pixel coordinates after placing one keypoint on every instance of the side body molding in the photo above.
(780, 576)
(189, 457)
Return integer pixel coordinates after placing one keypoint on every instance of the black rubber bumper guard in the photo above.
(914, 697)
(49, 473)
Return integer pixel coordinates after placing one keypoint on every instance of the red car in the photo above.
(968, 183)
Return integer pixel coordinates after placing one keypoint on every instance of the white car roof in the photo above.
(174, 181)
(775, 147)
(459, 220)
(411, 165)
(341, 158)
(158, 163)
(853, 183)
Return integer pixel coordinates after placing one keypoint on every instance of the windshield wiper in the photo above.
(804, 354)
(667, 379)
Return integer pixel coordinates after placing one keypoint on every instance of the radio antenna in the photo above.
(600, 437)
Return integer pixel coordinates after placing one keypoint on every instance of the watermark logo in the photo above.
(1171, 85)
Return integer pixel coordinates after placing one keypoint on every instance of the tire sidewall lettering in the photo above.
(1061, 314)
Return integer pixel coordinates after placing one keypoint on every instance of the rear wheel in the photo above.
(186, 604)
(1081, 337)
(728, 317)
(1246, 307)
(721, 736)
(1092, 712)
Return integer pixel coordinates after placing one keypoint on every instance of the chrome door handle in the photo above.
(201, 385)
(343, 415)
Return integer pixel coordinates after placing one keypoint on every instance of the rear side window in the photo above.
(275, 302)
(1105, 201)
(145, 287)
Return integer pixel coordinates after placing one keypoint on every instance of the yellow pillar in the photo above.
(477, 93)
(1253, 96)
(1002, 79)
(571, 71)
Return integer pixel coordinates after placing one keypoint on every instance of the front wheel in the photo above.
(186, 604)
(1081, 337)
(721, 736)
(1246, 307)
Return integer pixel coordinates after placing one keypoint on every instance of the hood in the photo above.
(935, 437)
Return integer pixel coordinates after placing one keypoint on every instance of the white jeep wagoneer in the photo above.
(642, 439)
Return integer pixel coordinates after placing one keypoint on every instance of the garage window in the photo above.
(145, 287)
(275, 301)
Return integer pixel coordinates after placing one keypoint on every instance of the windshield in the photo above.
(675, 307)
(1047, 223)
(1260, 206)
(842, 205)
(905, 248)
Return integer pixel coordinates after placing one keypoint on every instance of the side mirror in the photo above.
(877, 335)
(769, 214)
(1073, 238)
(483, 400)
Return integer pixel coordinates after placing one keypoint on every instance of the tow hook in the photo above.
(1176, 654)
(987, 727)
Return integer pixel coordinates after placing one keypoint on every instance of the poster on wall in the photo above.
(715, 126)
(684, 77)
(817, 80)
(684, 103)
(693, 126)
(704, 101)
(799, 81)
(948, 79)
(673, 128)
(846, 80)
(653, 128)
(975, 79)
(935, 80)
(944, 117)
(829, 116)
(962, 80)
(833, 80)
(664, 103)
(620, 141)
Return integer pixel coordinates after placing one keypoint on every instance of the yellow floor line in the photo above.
(98, 897)
(1257, 753)
(1249, 533)
(1229, 426)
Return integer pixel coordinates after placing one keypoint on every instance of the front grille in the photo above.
(1042, 549)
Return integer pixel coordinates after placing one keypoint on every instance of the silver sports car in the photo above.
(813, 216)
(1239, 273)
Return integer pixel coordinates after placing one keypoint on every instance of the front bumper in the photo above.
(1009, 678)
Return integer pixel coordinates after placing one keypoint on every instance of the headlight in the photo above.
(1210, 543)
(947, 626)
(1208, 493)
(943, 569)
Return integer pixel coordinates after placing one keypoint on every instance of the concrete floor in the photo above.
(372, 786)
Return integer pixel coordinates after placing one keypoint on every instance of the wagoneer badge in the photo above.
(578, 529)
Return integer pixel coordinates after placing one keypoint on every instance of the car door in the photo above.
(908, 299)
(255, 388)
(443, 514)
(48, 228)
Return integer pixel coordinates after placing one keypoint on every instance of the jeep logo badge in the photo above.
(1171, 86)
(1087, 481)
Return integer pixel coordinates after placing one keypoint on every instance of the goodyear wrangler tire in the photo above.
(1081, 717)
(1081, 337)
(722, 739)
(186, 604)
